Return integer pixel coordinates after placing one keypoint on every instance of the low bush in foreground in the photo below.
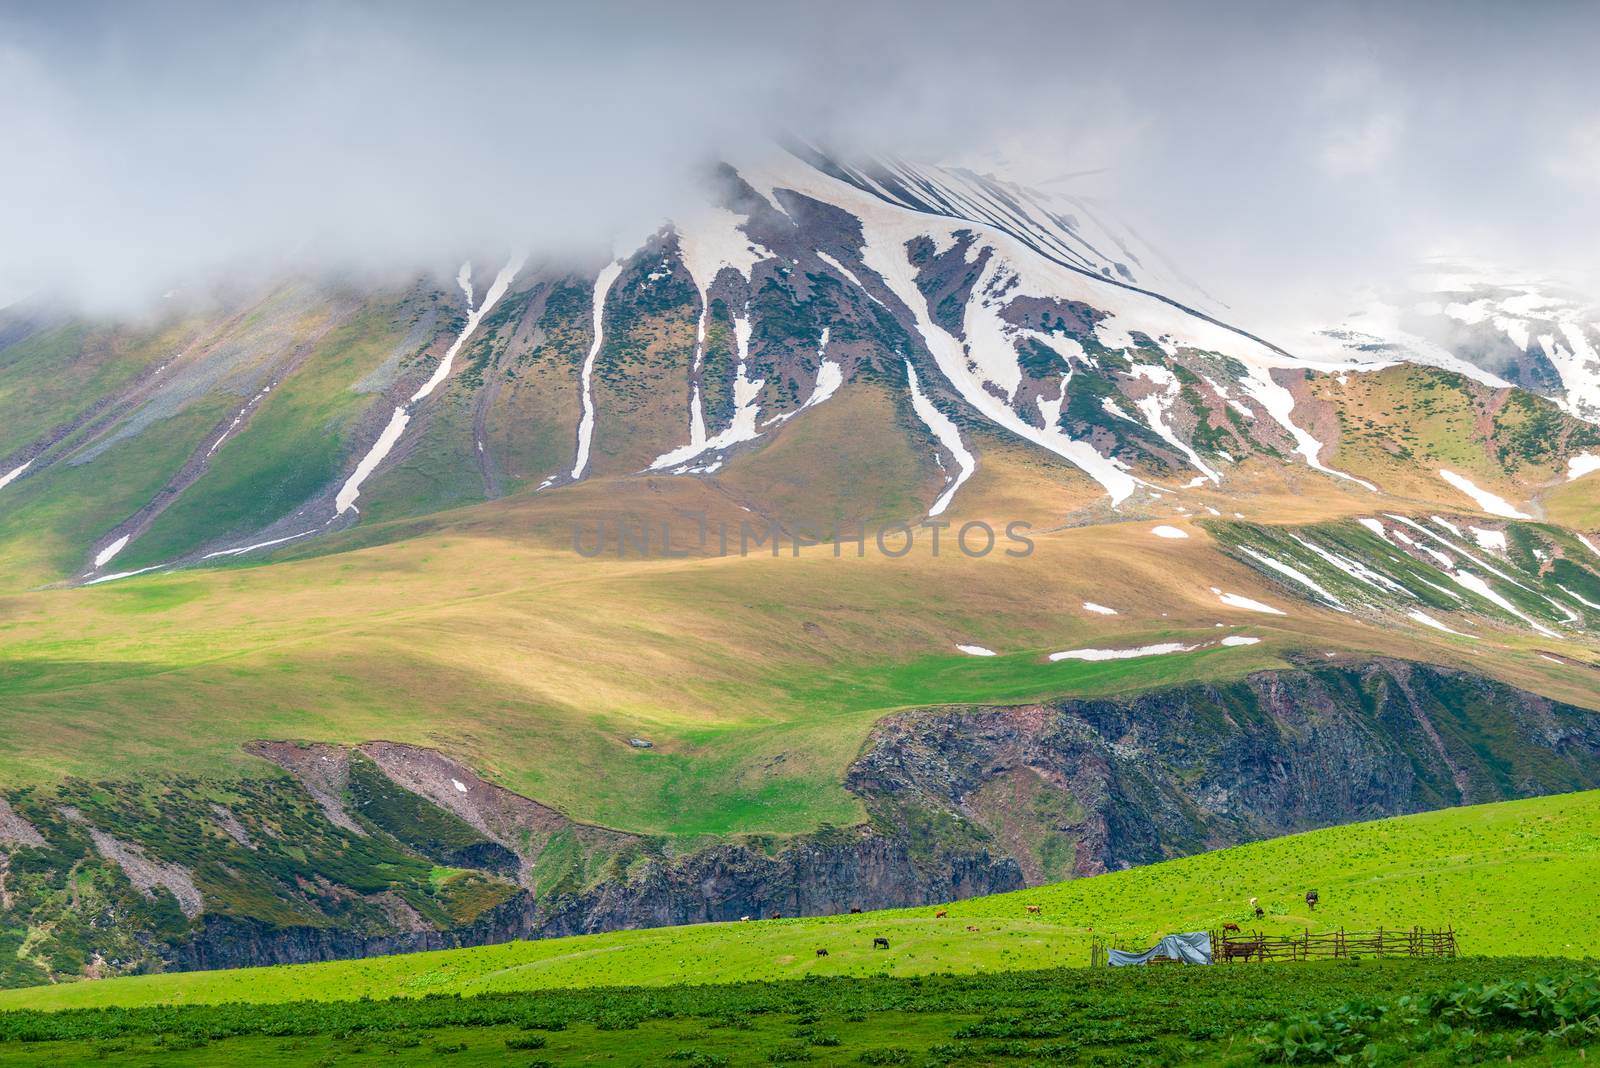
(1466, 1024)
(1160, 1016)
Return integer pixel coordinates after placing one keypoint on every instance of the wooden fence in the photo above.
(1232, 947)
(1239, 947)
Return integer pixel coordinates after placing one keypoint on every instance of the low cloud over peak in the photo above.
(1269, 149)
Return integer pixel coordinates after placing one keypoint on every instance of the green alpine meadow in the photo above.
(731, 534)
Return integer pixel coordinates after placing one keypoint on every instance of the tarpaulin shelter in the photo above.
(1191, 948)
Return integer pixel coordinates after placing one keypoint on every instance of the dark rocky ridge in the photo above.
(962, 801)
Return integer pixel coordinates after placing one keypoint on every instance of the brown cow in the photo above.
(1230, 927)
(774, 915)
(854, 909)
(1230, 950)
(971, 928)
(1033, 908)
(941, 914)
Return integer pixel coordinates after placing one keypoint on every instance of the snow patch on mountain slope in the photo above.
(12, 475)
(105, 555)
(1155, 407)
(121, 575)
(1159, 649)
(1295, 574)
(602, 286)
(346, 497)
(1493, 540)
(1428, 621)
(251, 403)
(497, 289)
(1577, 466)
(986, 363)
(1165, 531)
(1472, 582)
(948, 435)
(710, 242)
(742, 427)
(830, 376)
(1489, 502)
(1503, 318)
(1236, 600)
(1576, 596)
(258, 545)
(976, 650)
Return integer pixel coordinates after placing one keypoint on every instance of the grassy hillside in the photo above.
(757, 678)
(1512, 878)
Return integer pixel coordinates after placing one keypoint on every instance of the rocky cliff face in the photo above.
(388, 848)
(1080, 787)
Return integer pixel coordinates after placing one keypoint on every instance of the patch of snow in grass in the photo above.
(1428, 621)
(1494, 540)
(103, 557)
(11, 476)
(1234, 640)
(1487, 592)
(120, 575)
(1165, 531)
(1236, 600)
(1587, 544)
(1577, 466)
(1355, 569)
(1576, 596)
(1375, 526)
(257, 545)
(1489, 502)
(1123, 654)
(1098, 609)
(1443, 522)
(460, 786)
(1290, 572)
(976, 650)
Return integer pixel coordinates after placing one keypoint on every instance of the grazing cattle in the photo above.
(1245, 950)
(855, 909)
(1033, 908)
(941, 914)
(1260, 912)
(1311, 900)
(744, 919)
(880, 943)
(774, 915)
(822, 953)
(971, 928)
(1230, 927)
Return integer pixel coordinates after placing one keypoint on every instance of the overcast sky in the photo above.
(1279, 152)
